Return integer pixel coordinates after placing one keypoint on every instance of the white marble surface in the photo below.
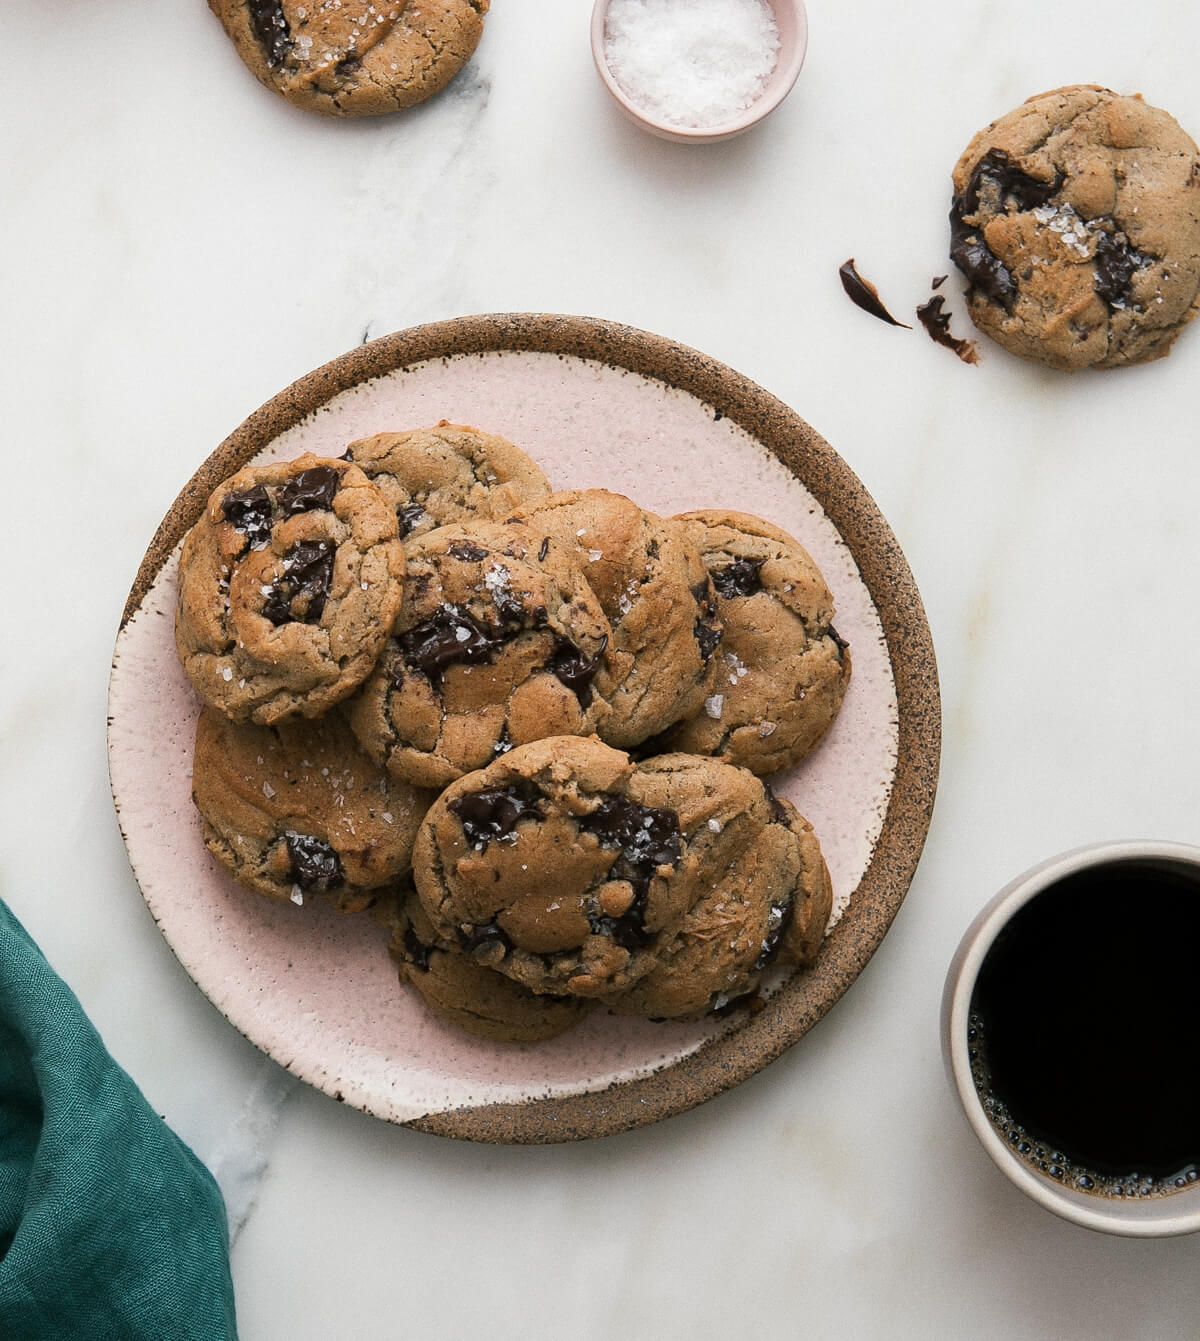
(179, 245)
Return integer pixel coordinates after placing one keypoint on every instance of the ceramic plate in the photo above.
(597, 405)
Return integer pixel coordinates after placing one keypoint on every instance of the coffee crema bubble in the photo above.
(1080, 1026)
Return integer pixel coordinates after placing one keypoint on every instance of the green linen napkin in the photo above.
(109, 1226)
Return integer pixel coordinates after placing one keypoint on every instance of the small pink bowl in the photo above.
(792, 22)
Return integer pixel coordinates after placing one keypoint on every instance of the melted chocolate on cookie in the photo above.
(250, 513)
(647, 838)
(574, 669)
(707, 639)
(493, 814)
(740, 578)
(779, 919)
(271, 28)
(307, 574)
(310, 490)
(1116, 262)
(416, 951)
(450, 636)
(314, 864)
(407, 517)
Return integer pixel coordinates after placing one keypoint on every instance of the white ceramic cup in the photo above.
(791, 19)
(1176, 1212)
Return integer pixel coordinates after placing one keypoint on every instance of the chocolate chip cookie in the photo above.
(466, 993)
(1076, 221)
(770, 906)
(448, 473)
(782, 669)
(297, 810)
(500, 641)
(566, 867)
(657, 595)
(288, 585)
(351, 57)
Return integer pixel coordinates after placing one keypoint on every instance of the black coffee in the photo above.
(1082, 1025)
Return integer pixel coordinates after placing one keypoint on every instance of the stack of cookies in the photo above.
(529, 729)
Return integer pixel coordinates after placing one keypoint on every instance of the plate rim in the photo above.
(729, 1058)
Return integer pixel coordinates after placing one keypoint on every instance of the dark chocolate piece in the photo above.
(778, 812)
(309, 490)
(314, 864)
(466, 551)
(937, 281)
(862, 293)
(779, 919)
(708, 638)
(271, 28)
(307, 574)
(416, 951)
(544, 550)
(249, 512)
(740, 578)
(450, 636)
(480, 941)
(408, 516)
(493, 814)
(574, 669)
(648, 838)
(1116, 262)
(937, 323)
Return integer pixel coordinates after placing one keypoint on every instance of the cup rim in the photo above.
(1150, 1217)
(783, 80)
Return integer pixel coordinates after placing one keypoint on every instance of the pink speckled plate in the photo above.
(597, 405)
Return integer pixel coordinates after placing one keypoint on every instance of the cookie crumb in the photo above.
(937, 323)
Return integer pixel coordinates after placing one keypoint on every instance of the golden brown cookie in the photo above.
(656, 593)
(448, 473)
(465, 993)
(345, 58)
(566, 867)
(297, 809)
(500, 641)
(770, 906)
(782, 669)
(1076, 221)
(288, 585)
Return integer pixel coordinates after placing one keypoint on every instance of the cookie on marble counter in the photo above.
(1076, 221)
(782, 668)
(464, 992)
(657, 595)
(566, 867)
(448, 473)
(297, 809)
(770, 906)
(288, 586)
(500, 641)
(342, 58)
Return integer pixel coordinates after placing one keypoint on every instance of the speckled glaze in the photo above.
(597, 405)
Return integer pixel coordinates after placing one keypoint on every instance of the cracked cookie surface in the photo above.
(297, 810)
(352, 57)
(1076, 222)
(658, 597)
(288, 585)
(464, 992)
(448, 473)
(566, 867)
(770, 906)
(500, 641)
(782, 670)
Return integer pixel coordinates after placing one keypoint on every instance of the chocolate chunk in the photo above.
(864, 294)
(778, 812)
(493, 814)
(544, 550)
(629, 930)
(407, 517)
(740, 578)
(467, 552)
(708, 638)
(779, 919)
(984, 271)
(451, 635)
(271, 28)
(937, 281)
(307, 574)
(937, 323)
(648, 838)
(1116, 262)
(249, 512)
(416, 951)
(315, 865)
(308, 491)
(574, 669)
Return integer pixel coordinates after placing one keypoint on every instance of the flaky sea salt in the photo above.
(713, 706)
(691, 62)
